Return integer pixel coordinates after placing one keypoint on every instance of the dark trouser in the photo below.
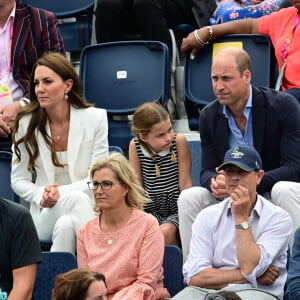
(149, 18)
(5, 143)
(294, 92)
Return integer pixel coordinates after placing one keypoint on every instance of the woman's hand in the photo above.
(190, 43)
(50, 196)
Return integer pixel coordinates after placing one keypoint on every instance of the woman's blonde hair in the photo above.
(124, 172)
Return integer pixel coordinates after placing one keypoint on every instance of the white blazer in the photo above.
(87, 142)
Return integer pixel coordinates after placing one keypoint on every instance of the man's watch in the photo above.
(243, 225)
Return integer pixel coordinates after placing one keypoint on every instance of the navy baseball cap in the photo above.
(244, 157)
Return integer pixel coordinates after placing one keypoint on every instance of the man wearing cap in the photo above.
(243, 114)
(241, 242)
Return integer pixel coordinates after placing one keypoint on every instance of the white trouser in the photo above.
(191, 201)
(62, 222)
(286, 194)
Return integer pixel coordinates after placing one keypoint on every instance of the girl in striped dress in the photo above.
(162, 161)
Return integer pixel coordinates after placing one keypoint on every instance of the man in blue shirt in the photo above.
(243, 114)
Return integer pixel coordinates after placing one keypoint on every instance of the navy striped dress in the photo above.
(163, 189)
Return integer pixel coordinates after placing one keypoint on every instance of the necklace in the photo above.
(110, 241)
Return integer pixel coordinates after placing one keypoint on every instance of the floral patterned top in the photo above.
(229, 10)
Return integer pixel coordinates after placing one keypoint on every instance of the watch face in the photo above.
(245, 225)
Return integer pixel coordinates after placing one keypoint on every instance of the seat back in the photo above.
(172, 264)
(54, 263)
(116, 149)
(196, 152)
(76, 32)
(120, 76)
(5, 181)
(197, 77)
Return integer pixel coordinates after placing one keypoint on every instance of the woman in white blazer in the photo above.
(57, 137)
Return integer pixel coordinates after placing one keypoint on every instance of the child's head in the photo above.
(147, 115)
(152, 125)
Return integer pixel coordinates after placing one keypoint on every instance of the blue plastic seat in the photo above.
(54, 263)
(116, 149)
(172, 264)
(196, 152)
(76, 32)
(197, 77)
(5, 170)
(120, 76)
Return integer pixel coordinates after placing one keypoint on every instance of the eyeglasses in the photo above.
(105, 185)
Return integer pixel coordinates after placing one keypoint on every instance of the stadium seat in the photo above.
(5, 170)
(54, 263)
(74, 20)
(172, 264)
(120, 76)
(195, 147)
(197, 76)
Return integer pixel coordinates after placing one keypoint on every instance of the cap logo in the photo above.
(236, 154)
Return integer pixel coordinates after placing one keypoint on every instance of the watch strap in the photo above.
(243, 225)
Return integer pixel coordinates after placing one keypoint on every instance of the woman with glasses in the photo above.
(57, 137)
(123, 242)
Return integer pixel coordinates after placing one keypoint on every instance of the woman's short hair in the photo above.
(74, 284)
(124, 172)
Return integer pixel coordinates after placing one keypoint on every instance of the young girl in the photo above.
(162, 161)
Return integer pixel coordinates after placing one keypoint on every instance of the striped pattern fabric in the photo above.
(35, 33)
(163, 189)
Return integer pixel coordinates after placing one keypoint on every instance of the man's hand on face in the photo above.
(240, 203)
(217, 186)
